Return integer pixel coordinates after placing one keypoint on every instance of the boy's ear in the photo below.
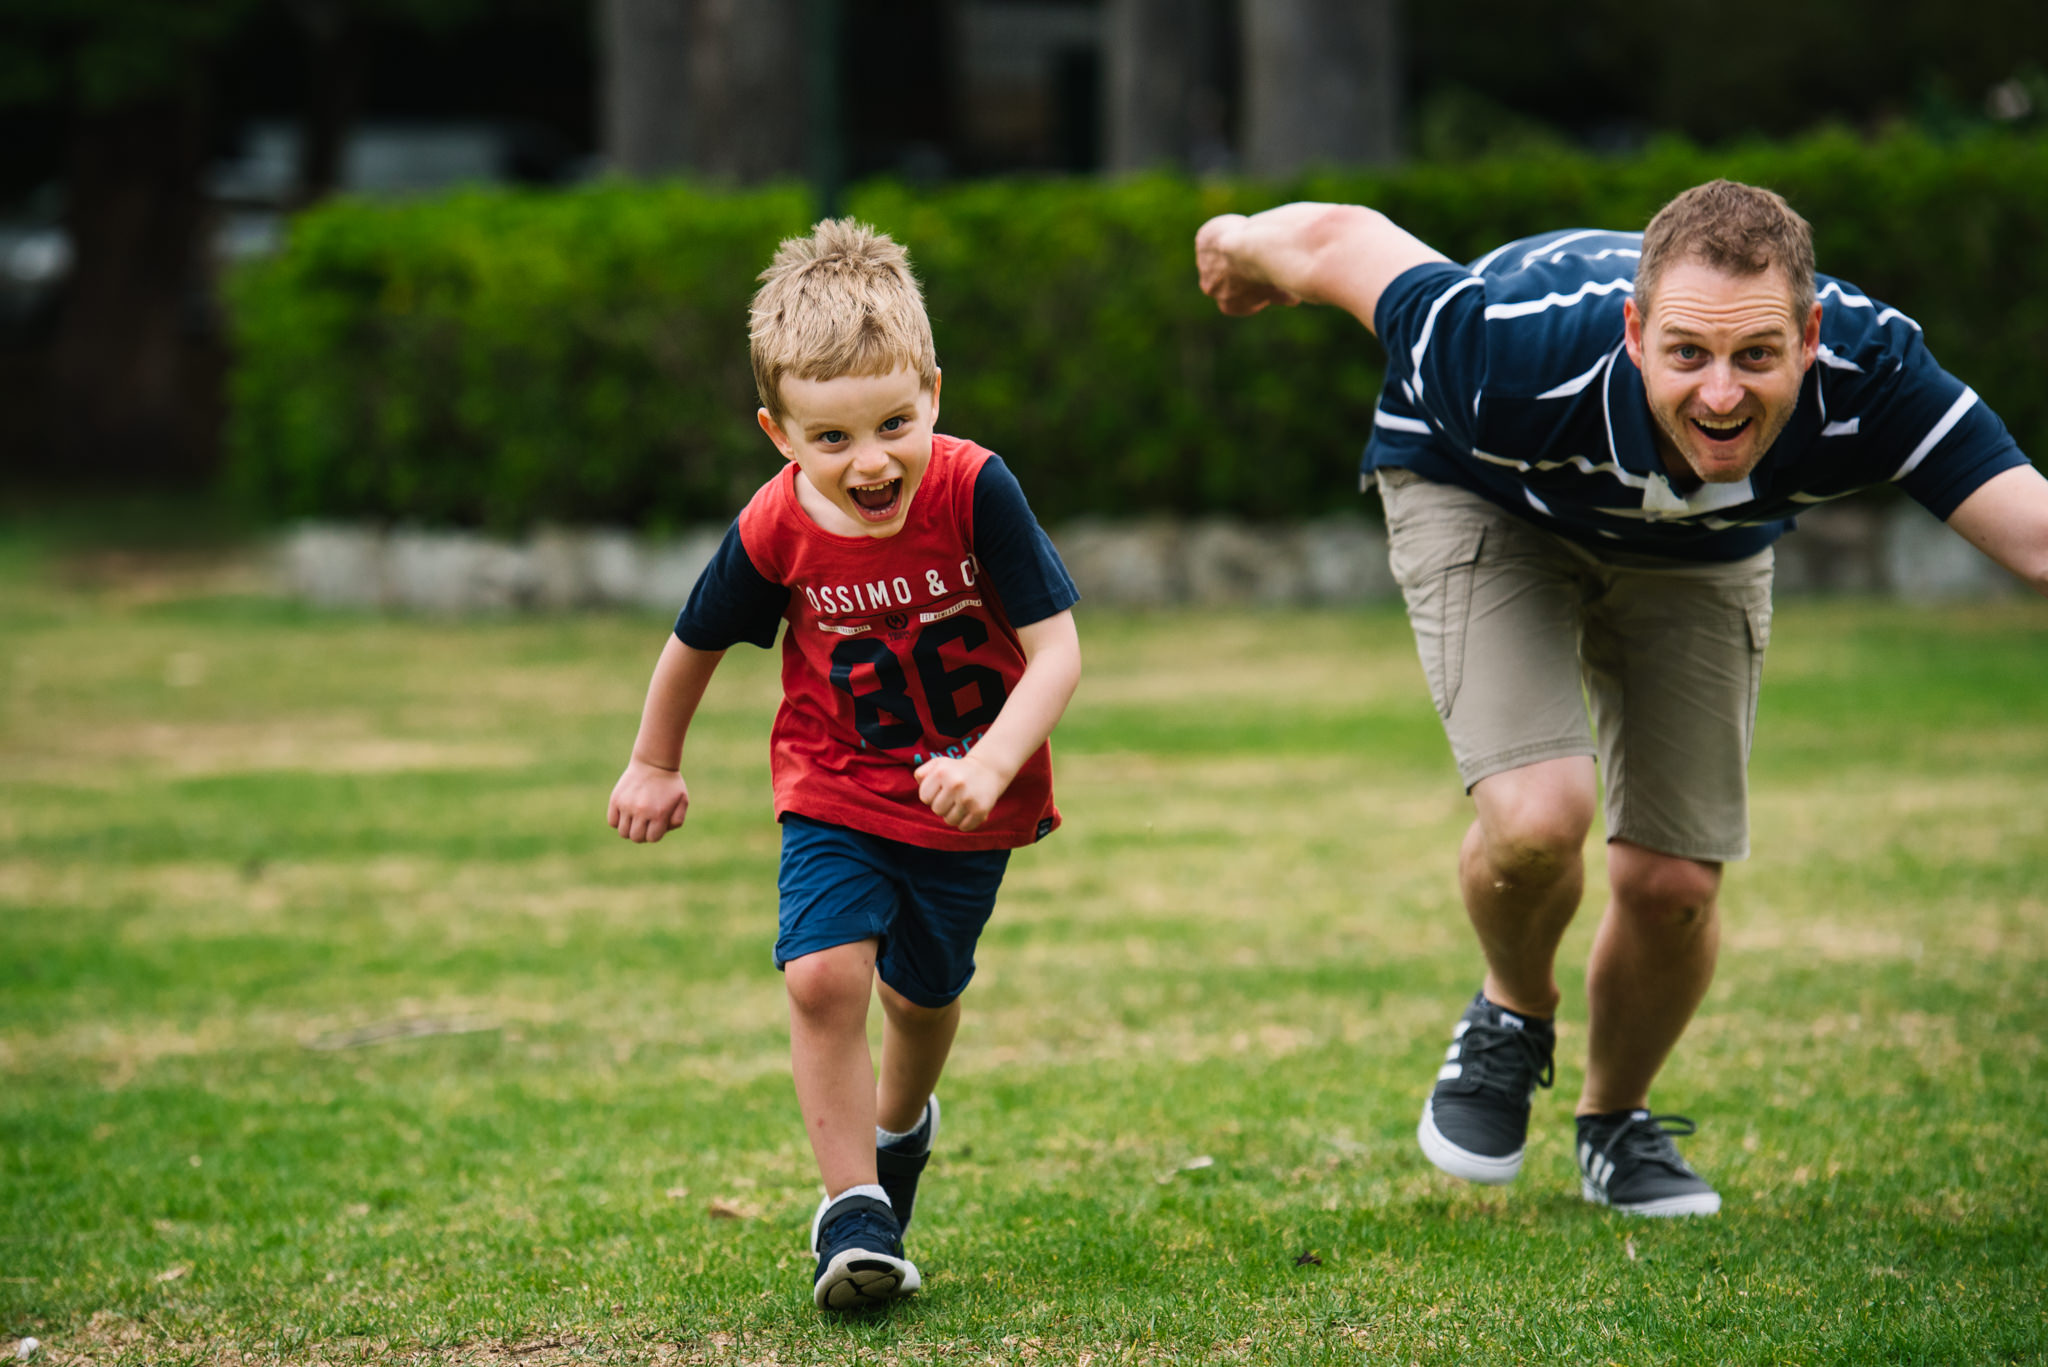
(774, 431)
(937, 376)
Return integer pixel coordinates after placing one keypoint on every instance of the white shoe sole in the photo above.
(861, 1277)
(1473, 1167)
(1697, 1203)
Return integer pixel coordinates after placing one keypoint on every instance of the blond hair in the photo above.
(1731, 227)
(839, 301)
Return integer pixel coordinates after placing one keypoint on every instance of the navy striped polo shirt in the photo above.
(1509, 378)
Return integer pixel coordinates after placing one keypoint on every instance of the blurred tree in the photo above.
(1321, 84)
(711, 86)
(1169, 83)
(1614, 71)
(132, 75)
(135, 81)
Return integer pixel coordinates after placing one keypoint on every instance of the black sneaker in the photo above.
(1627, 1161)
(1476, 1121)
(898, 1165)
(860, 1254)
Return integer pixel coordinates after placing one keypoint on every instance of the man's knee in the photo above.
(1661, 890)
(1534, 821)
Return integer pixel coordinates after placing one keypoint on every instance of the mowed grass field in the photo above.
(336, 1026)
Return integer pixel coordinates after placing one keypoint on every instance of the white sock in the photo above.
(864, 1189)
(884, 1138)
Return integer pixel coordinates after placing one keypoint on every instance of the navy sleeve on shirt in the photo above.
(1014, 550)
(732, 601)
(1432, 321)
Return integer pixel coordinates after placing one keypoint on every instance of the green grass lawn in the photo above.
(337, 1026)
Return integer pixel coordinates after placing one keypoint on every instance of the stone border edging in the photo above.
(1851, 547)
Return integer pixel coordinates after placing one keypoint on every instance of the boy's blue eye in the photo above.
(892, 424)
(832, 438)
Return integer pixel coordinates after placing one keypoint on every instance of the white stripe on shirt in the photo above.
(1579, 382)
(1553, 301)
(1429, 326)
(1962, 405)
(1393, 422)
(1864, 301)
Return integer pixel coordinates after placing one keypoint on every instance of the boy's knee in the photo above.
(831, 981)
(912, 1014)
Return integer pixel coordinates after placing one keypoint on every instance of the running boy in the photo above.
(930, 651)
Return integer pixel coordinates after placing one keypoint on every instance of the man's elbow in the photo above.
(1334, 236)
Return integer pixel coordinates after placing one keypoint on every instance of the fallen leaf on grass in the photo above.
(1195, 1164)
(386, 1032)
(677, 1193)
(724, 1208)
(171, 1274)
(1628, 1246)
(1308, 1259)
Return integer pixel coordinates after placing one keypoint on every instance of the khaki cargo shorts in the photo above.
(1519, 630)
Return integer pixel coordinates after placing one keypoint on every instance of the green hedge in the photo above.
(506, 358)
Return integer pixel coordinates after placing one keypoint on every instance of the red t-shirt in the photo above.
(897, 649)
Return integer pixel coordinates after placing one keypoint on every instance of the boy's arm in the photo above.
(961, 792)
(650, 799)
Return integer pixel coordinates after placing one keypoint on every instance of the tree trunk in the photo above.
(715, 87)
(1166, 85)
(644, 85)
(333, 85)
(748, 111)
(124, 353)
(1321, 84)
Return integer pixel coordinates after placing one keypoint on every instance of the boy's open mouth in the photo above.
(1721, 431)
(877, 502)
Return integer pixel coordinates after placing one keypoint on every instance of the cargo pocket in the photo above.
(1435, 566)
(1759, 616)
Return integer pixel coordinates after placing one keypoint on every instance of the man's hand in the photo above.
(647, 802)
(961, 792)
(1224, 276)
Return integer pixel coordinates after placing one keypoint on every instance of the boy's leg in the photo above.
(828, 1046)
(926, 964)
(916, 1041)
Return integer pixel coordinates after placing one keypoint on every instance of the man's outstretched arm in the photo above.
(2007, 519)
(1341, 254)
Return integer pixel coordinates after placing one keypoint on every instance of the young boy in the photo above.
(930, 651)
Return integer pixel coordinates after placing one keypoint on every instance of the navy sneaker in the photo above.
(898, 1165)
(1627, 1161)
(1475, 1123)
(860, 1254)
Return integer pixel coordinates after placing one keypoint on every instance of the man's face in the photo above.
(1722, 358)
(862, 443)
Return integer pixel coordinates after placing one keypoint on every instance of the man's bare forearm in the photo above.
(1340, 254)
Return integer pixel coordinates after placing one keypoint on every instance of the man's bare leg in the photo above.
(1522, 870)
(1653, 958)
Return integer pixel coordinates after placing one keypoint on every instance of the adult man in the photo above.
(1586, 444)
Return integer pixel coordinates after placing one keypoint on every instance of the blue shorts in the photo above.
(926, 907)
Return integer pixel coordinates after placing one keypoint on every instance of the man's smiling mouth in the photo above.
(877, 502)
(1721, 429)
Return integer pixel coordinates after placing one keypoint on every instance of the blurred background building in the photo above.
(146, 143)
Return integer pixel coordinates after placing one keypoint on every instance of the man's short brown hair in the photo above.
(1732, 227)
(839, 301)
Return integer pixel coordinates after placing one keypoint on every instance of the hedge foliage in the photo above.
(504, 358)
